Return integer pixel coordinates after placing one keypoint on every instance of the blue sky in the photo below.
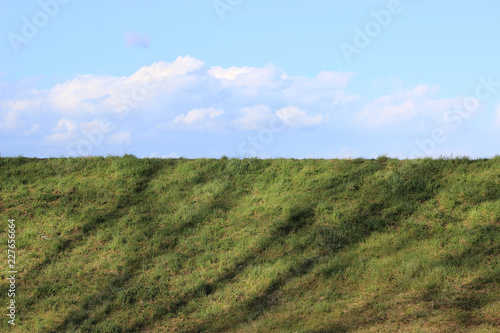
(241, 78)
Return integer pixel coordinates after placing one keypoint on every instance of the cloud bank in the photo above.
(185, 95)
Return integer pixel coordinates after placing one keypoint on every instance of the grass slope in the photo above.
(223, 245)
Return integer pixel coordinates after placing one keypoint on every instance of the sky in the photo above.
(250, 78)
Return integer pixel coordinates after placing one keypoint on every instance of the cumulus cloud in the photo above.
(22, 105)
(104, 94)
(250, 77)
(188, 82)
(136, 39)
(229, 73)
(85, 93)
(16, 114)
(295, 117)
(197, 116)
(64, 130)
(259, 117)
(187, 95)
(403, 106)
(254, 117)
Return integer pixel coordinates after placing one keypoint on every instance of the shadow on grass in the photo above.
(88, 316)
(125, 202)
(298, 217)
(482, 291)
(354, 228)
(257, 306)
(400, 190)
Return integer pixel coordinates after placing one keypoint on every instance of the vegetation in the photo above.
(251, 245)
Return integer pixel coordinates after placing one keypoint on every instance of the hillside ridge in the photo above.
(245, 245)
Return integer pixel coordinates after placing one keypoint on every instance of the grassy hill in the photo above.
(121, 244)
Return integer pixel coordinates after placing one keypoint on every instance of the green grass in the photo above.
(230, 245)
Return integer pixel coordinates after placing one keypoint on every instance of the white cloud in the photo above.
(198, 115)
(294, 117)
(165, 70)
(403, 106)
(187, 82)
(9, 121)
(64, 130)
(85, 93)
(17, 114)
(254, 117)
(22, 105)
(118, 138)
(229, 73)
(266, 77)
(259, 116)
(103, 94)
(383, 111)
(33, 129)
(185, 94)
